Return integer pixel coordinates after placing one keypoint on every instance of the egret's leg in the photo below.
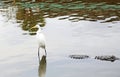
(39, 53)
(45, 53)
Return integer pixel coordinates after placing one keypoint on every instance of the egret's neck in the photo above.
(39, 30)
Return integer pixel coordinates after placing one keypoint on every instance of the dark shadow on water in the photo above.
(42, 67)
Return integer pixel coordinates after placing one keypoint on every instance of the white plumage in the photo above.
(41, 39)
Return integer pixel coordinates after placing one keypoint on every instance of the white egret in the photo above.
(41, 39)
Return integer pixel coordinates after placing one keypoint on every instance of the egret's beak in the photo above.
(37, 26)
(34, 27)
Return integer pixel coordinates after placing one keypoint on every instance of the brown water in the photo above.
(66, 34)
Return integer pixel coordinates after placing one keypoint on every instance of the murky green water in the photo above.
(76, 27)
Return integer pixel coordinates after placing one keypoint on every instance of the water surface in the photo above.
(74, 30)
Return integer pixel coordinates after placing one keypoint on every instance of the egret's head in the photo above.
(38, 26)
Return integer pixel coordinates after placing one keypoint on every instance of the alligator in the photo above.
(111, 58)
(79, 56)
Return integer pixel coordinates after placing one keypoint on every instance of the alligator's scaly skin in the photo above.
(107, 58)
(111, 58)
(79, 56)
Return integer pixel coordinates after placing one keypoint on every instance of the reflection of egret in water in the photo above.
(41, 40)
(42, 67)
